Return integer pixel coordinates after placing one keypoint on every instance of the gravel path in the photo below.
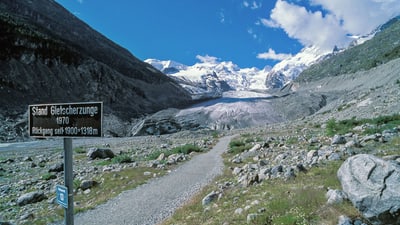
(155, 201)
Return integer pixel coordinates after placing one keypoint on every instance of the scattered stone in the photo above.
(87, 184)
(31, 197)
(334, 157)
(372, 137)
(161, 157)
(344, 220)
(147, 173)
(255, 148)
(289, 174)
(209, 198)
(335, 196)
(277, 169)
(313, 141)
(373, 186)
(101, 153)
(27, 159)
(251, 217)
(237, 160)
(27, 216)
(300, 167)
(57, 168)
(338, 140)
(239, 211)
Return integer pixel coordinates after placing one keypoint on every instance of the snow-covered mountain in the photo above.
(211, 79)
(290, 68)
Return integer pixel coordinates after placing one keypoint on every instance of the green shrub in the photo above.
(79, 150)
(123, 158)
(186, 149)
(49, 176)
(238, 146)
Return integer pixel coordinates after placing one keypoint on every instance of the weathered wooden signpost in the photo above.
(66, 120)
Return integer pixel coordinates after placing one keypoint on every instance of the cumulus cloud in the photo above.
(271, 54)
(207, 59)
(268, 23)
(334, 24)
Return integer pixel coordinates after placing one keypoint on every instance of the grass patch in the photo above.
(48, 176)
(379, 124)
(184, 149)
(79, 150)
(240, 145)
(123, 158)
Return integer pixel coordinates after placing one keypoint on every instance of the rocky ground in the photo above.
(28, 176)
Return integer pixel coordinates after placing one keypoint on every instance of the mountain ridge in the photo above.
(46, 47)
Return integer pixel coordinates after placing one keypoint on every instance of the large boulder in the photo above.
(101, 153)
(373, 186)
(31, 197)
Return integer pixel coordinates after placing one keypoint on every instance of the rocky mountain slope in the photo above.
(384, 47)
(49, 55)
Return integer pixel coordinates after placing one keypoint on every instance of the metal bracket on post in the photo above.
(68, 180)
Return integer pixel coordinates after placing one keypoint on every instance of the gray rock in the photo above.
(371, 137)
(338, 139)
(5, 223)
(373, 186)
(344, 220)
(209, 198)
(289, 174)
(277, 169)
(335, 196)
(30, 198)
(101, 153)
(311, 154)
(87, 184)
(334, 157)
(57, 167)
(238, 211)
(251, 217)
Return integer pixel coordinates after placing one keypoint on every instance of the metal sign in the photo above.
(66, 120)
(62, 195)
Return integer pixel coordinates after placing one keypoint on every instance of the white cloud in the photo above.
(80, 1)
(268, 23)
(222, 16)
(207, 59)
(271, 54)
(253, 5)
(361, 16)
(252, 33)
(333, 25)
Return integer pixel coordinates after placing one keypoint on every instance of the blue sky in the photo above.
(246, 32)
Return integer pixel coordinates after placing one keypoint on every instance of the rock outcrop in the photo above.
(373, 186)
